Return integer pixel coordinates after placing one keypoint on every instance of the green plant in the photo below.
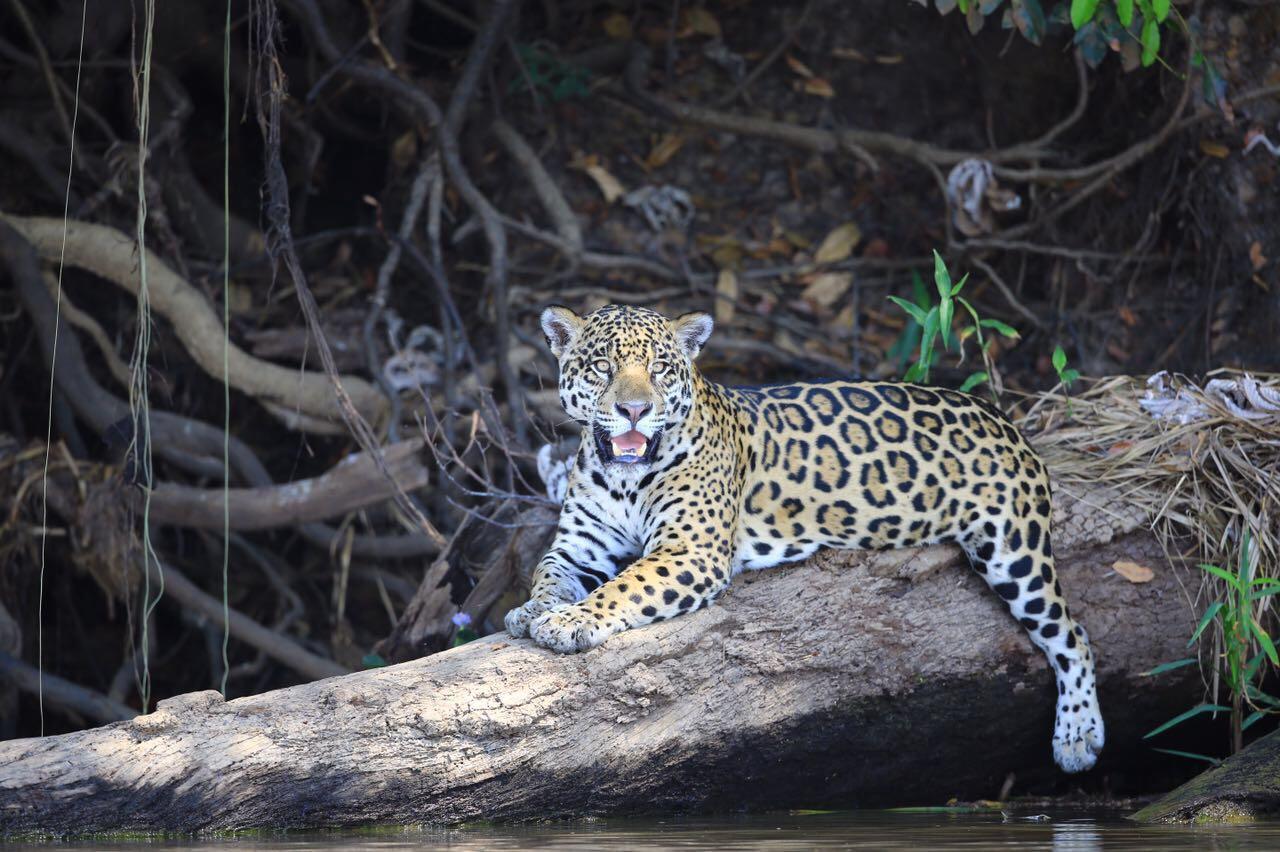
(1245, 644)
(1100, 26)
(931, 321)
(1066, 375)
(545, 73)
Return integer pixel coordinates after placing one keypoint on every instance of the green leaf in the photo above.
(1082, 12)
(964, 6)
(1161, 9)
(1205, 621)
(1069, 376)
(373, 661)
(1028, 17)
(1092, 43)
(1168, 667)
(1258, 696)
(1002, 327)
(959, 285)
(926, 341)
(973, 381)
(918, 291)
(1191, 754)
(916, 312)
(1251, 718)
(1270, 590)
(915, 374)
(941, 276)
(1264, 640)
(1226, 576)
(1182, 717)
(1059, 359)
(1124, 10)
(946, 311)
(1150, 42)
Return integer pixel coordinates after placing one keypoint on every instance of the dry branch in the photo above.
(111, 254)
(354, 484)
(852, 678)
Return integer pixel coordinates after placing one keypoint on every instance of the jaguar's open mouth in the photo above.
(633, 447)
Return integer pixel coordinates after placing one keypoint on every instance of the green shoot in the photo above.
(931, 322)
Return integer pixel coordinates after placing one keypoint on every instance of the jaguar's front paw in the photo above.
(1078, 738)
(568, 629)
(519, 618)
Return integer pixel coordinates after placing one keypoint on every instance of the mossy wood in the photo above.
(1244, 787)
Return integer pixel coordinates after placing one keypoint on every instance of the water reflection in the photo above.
(1059, 831)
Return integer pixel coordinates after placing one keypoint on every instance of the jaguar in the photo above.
(680, 483)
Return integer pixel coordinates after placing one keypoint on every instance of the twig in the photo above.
(281, 648)
(51, 80)
(382, 290)
(553, 201)
(1013, 301)
(772, 57)
(857, 142)
(281, 240)
(496, 276)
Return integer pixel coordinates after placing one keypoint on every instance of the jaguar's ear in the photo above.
(561, 326)
(692, 331)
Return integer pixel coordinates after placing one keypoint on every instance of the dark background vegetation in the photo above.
(1146, 240)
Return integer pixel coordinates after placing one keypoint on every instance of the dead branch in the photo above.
(62, 693)
(354, 484)
(109, 254)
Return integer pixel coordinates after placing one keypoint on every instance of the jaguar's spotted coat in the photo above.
(695, 482)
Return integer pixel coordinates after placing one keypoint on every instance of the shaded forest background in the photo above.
(411, 181)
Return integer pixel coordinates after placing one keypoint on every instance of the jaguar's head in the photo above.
(626, 375)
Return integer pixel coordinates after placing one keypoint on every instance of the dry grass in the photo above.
(1203, 462)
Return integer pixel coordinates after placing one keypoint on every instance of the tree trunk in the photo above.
(1245, 787)
(855, 678)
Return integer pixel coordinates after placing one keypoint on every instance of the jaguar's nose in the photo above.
(633, 411)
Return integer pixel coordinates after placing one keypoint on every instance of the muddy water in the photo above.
(1032, 830)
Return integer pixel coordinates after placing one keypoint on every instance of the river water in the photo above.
(881, 830)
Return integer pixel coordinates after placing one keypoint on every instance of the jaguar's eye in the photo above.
(659, 367)
(601, 366)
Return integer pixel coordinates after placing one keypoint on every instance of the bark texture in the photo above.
(854, 678)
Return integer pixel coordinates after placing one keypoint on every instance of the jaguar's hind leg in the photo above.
(1014, 556)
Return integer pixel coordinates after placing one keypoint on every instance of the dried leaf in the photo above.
(405, 149)
(664, 150)
(827, 288)
(1133, 572)
(797, 66)
(820, 87)
(610, 187)
(702, 22)
(618, 26)
(1214, 149)
(1256, 257)
(849, 53)
(839, 244)
(726, 296)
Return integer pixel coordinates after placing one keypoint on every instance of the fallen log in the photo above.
(1246, 786)
(851, 679)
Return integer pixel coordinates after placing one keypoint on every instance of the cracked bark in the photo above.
(850, 679)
